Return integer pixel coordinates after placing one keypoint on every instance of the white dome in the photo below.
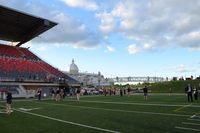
(73, 68)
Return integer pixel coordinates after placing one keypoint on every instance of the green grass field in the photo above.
(159, 114)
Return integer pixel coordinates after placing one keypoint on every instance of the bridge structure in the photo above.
(138, 79)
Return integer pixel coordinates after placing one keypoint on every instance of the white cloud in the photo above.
(195, 49)
(183, 68)
(43, 48)
(133, 49)
(70, 32)
(147, 46)
(107, 22)
(85, 4)
(110, 49)
(190, 40)
(122, 17)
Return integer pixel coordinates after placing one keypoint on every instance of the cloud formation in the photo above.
(110, 49)
(70, 31)
(133, 49)
(85, 4)
(154, 24)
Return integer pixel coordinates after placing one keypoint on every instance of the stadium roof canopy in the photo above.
(16, 26)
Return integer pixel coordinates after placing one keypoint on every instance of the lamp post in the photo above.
(99, 79)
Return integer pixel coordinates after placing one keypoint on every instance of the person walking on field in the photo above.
(129, 91)
(78, 94)
(52, 94)
(189, 91)
(8, 102)
(121, 92)
(145, 90)
(195, 93)
(39, 93)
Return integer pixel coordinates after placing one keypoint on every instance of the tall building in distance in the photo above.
(73, 69)
(86, 78)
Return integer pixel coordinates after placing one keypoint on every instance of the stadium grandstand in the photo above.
(21, 71)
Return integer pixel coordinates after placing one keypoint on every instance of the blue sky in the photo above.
(119, 37)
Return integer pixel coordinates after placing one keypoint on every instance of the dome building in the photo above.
(73, 69)
(85, 78)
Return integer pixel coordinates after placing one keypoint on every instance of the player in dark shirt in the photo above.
(121, 92)
(8, 102)
(39, 93)
(189, 91)
(145, 90)
(129, 91)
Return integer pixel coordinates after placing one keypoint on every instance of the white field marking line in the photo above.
(193, 119)
(68, 122)
(150, 104)
(4, 112)
(25, 109)
(192, 116)
(189, 123)
(85, 96)
(119, 110)
(191, 129)
(185, 106)
(195, 115)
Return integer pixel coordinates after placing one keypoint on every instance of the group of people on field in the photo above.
(123, 92)
(59, 94)
(190, 91)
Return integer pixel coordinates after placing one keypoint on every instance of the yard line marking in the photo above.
(185, 106)
(191, 129)
(150, 104)
(194, 119)
(192, 116)
(68, 122)
(195, 115)
(25, 109)
(118, 110)
(189, 123)
(4, 112)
